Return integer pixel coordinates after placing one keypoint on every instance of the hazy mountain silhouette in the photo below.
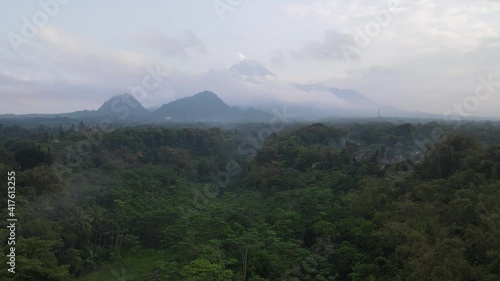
(124, 105)
(207, 107)
(359, 106)
(347, 95)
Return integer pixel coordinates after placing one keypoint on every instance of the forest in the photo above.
(360, 201)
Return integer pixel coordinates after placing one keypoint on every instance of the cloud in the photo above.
(433, 25)
(428, 57)
(313, 8)
(66, 44)
(329, 48)
(64, 73)
(278, 59)
(236, 91)
(431, 83)
(173, 47)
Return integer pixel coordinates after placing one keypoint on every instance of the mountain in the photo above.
(202, 106)
(348, 95)
(207, 107)
(122, 105)
(359, 106)
(250, 68)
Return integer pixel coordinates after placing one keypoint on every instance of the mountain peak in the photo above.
(251, 68)
(206, 94)
(207, 107)
(198, 107)
(116, 104)
(347, 95)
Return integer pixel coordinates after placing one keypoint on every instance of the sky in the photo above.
(421, 55)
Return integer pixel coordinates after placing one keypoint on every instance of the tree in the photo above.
(204, 270)
(35, 261)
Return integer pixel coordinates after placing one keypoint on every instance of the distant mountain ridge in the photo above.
(202, 107)
(347, 95)
(207, 106)
(360, 105)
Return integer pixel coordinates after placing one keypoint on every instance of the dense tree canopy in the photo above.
(349, 201)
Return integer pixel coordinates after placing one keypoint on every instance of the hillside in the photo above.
(208, 107)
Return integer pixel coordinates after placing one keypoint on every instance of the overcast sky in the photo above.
(421, 55)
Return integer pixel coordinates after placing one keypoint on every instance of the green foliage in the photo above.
(204, 270)
(35, 261)
(318, 202)
(32, 156)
